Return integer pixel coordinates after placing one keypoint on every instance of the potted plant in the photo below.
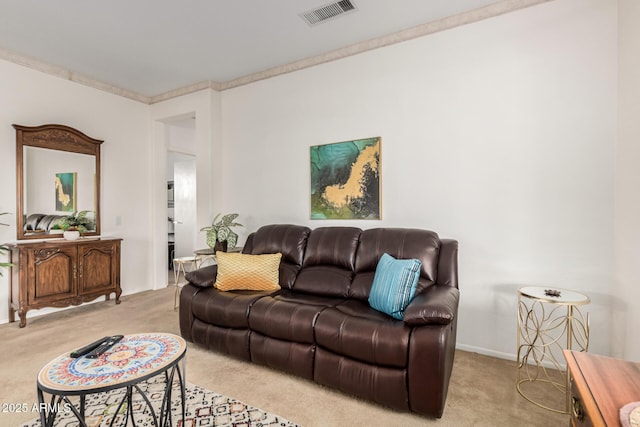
(75, 225)
(4, 249)
(220, 237)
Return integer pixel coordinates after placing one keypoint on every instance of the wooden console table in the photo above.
(59, 273)
(600, 386)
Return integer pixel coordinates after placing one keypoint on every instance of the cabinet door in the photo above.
(53, 274)
(97, 268)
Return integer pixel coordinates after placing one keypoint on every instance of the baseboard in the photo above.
(486, 352)
(502, 355)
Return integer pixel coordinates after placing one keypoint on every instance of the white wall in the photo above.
(500, 134)
(626, 293)
(33, 98)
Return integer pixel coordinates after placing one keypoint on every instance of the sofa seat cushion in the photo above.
(356, 330)
(304, 298)
(229, 309)
(324, 280)
(288, 315)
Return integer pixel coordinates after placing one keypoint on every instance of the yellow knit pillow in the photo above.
(238, 271)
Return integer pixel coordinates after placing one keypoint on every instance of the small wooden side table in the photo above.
(600, 386)
(549, 321)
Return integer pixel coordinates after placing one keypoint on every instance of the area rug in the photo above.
(203, 408)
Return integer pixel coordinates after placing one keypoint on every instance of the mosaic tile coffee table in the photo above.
(134, 359)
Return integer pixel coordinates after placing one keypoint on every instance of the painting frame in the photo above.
(66, 191)
(345, 180)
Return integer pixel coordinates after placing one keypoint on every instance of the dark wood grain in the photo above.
(97, 267)
(59, 273)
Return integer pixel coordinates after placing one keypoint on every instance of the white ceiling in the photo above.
(151, 47)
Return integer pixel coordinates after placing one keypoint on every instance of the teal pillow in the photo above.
(394, 285)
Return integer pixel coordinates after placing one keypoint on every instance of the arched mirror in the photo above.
(58, 179)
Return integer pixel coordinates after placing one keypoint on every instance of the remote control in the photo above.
(87, 348)
(96, 352)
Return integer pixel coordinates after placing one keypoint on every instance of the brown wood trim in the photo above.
(58, 137)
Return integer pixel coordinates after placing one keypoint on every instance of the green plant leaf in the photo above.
(212, 236)
(4, 250)
(4, 213)
(232, 239)
(228, 218)
(223, 234)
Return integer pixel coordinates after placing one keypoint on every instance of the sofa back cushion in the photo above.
(289, 240)
(329, 261)
(400, 243)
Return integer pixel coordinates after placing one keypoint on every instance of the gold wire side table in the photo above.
(178, 270)
(549, 321)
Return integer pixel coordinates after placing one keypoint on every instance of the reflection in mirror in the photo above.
(58, 179)
(57, 184)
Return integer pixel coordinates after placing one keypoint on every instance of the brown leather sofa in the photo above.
(320, 325)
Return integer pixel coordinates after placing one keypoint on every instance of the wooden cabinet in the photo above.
(600, 386)
(59, 273)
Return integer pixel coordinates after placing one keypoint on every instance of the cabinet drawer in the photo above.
(579, 416)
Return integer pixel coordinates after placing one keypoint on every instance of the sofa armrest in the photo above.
(438, 304)
(203, 277)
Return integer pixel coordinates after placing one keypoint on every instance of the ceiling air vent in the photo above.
(327, 12)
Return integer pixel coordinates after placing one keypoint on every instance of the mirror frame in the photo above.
(53, 137)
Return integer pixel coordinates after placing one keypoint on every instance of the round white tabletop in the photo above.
(554, 295)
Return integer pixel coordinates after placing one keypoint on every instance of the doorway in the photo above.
(181, 190)
(181, 206)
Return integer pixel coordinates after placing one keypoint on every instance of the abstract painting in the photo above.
(66, 192)
(345, 180)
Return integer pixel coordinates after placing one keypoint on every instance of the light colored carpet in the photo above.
(481, 393)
